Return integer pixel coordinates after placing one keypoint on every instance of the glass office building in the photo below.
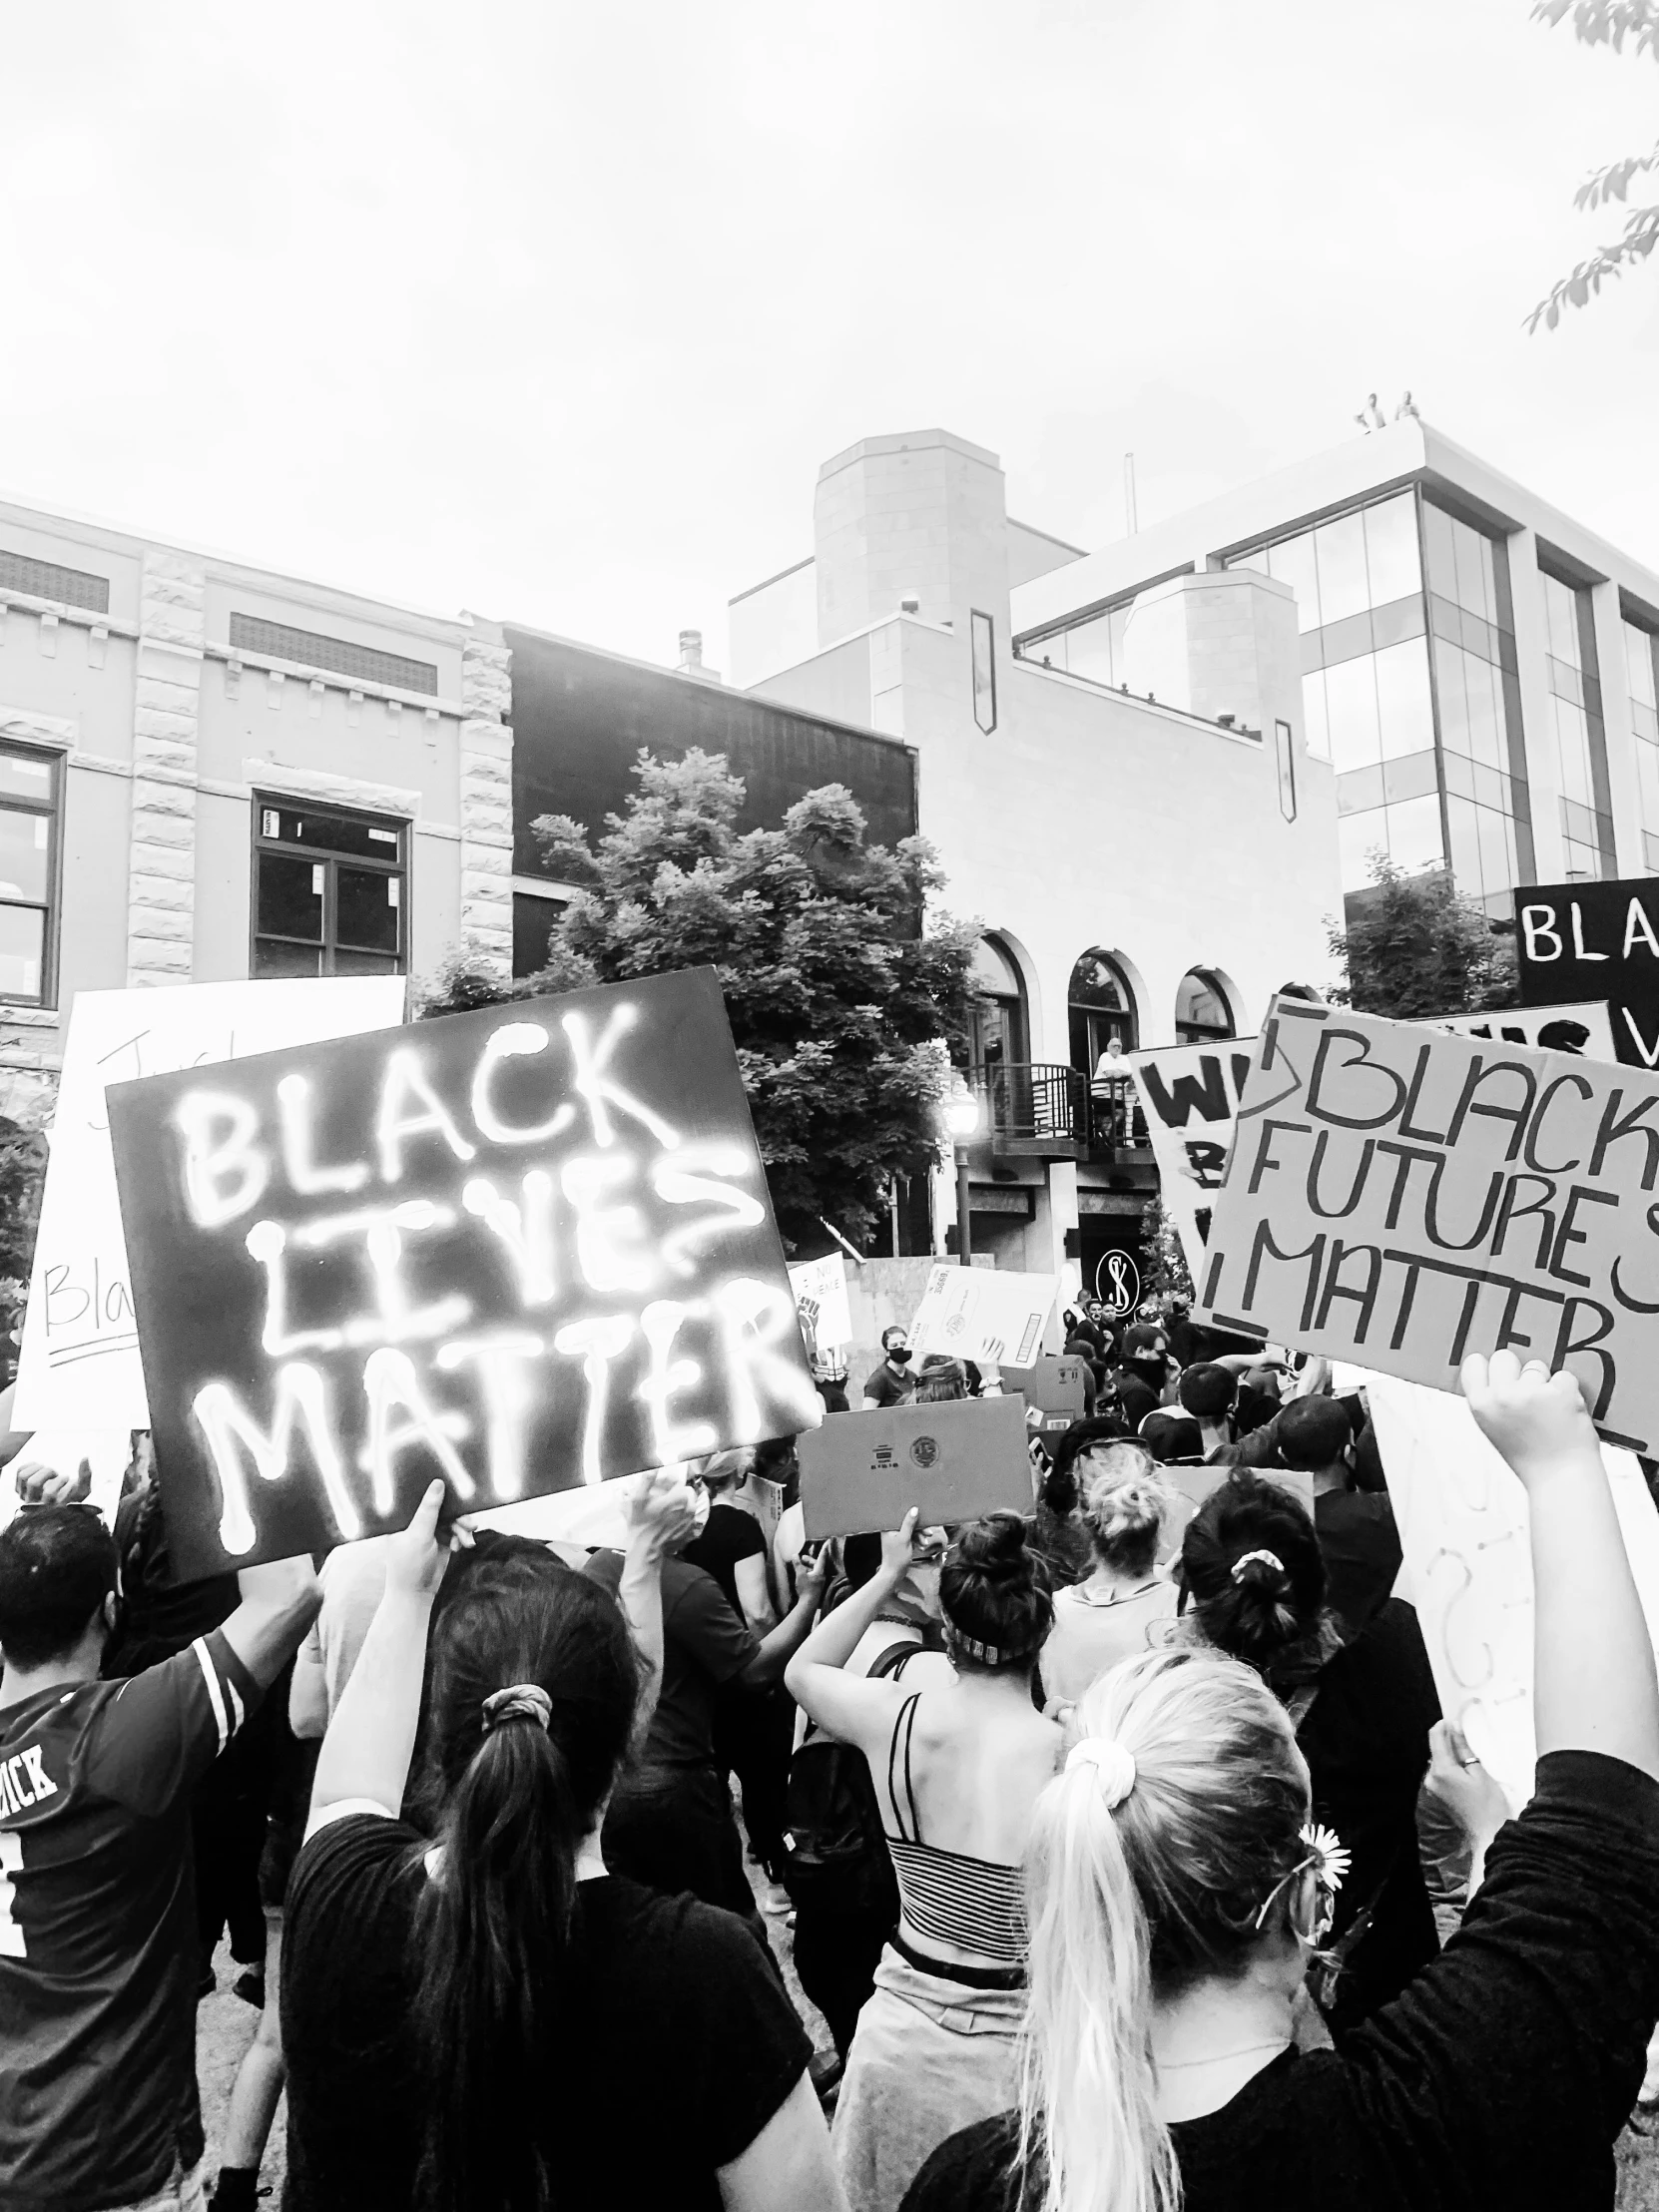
(1410, 690)
(1641, 661)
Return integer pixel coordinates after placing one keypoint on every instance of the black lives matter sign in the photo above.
(1595, 940)
(1401, 1199)
(520, 1249)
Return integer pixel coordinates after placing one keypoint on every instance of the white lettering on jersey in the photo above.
(12, 1944)
(43, 1784)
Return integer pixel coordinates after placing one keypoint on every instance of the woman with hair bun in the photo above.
(957, 1771)
(1124, 1608)
(1253, 1582)
(1176, 1889)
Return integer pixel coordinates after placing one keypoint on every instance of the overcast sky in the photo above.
(553, 311)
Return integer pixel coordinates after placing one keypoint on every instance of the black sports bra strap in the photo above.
(907, 1721)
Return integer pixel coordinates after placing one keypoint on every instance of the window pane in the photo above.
(1257, 559)
(22, 951)
(270, 959)
(1465, 846)
(1475, 571)
(331, 833)
(1459, 774)
(365, 911)
(1404, 706)
(1560, 619)
(1360, 790)
(1484, 737)
(1495, 863)
(1090, 650)
(1392, 549)
(26, 776)
(1357, 837)
(25, 855)
(985, 672)
(1639, 655)
(1341, 547)
(290, 899)
(364, 964)
(1292, 562)
(1443, 556)
(1412, 778)
(1350, 696)
(1414, 840)
(1647, 770)
(1573, 740)
(1397, 620)
(1344, 640)
(1452, 683)
(1198, 1005)
(1315, 721)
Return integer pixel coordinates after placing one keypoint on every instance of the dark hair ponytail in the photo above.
(1254, 1576)
(994, 1591)
(491, 2013)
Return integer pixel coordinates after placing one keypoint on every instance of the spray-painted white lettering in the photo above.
(512, 1039)
(600, 1088)
(661, 1323)
(596, 1342)
(302, 1400)
(409, 1107)
(509, 1396)
(613, 1248)
(293, 1103)
(393, 1386)
(524, 1228)
(687, 1178)
(751, 1354)
(226, 1172)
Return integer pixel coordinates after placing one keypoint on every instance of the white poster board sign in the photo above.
(819, 1288)
(983, 1314)
(1582, 1028)
(1463, 1523)
(80, 1355)
(1189, 1096)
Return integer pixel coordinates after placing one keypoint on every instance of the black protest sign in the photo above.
(953, 1460)
(1401, 1199)
(1595, 940)
(522, 1247)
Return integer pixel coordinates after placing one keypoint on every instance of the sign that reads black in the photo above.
(523, 1249)
(1595, 940)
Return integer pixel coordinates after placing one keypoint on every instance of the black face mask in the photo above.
(899, 1354)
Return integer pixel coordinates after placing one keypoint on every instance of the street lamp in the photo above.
(962, 1118)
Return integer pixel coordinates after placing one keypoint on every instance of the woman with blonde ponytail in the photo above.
(1124, 1606)
(1176, 1891)
(484, 2018)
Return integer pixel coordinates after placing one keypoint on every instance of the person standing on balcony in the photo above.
(892, 1384)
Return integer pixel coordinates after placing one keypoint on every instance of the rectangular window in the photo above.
(29, 788)
(985, 671)
(328, 891)
(1574, 680)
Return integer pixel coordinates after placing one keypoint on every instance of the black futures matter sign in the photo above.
(1595, 940)
(521, 1249)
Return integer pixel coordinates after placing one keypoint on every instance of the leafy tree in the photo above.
(847, 1011)
(1164, 1270)
(1413, 948)
(1606, 23)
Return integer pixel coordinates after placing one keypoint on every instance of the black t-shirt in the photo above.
(705, 1644)
(888, 1389)
(1365, 1741)
(729, 1535)
(683, 2048)
(1499, 2079)
(1361, 1548)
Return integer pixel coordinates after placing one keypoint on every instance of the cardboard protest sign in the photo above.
(1190, 1486)
(522, 1247)
(819, 1288)
(1463, 1522)
(982, 1313)
(1053, 1388)
(1190, 1095)
(954, 1460)
(1400, 1199)
(1595, 940)
(1582, 1028)
(80, 1356)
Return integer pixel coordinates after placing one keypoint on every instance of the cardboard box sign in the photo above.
(956, 1460)
(1055, 1386)
(521, 1248)
(1595, 940)
(982, 1313)
(1400, 1199)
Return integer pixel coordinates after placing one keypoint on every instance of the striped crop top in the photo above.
(977, 1904)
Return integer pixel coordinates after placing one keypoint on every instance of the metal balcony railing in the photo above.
(1048, 1110)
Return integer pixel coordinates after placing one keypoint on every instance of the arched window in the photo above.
(998, 1027)
(1201, 1011)
(1102, 1011)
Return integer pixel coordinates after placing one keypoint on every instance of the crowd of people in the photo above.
(1121, 1847)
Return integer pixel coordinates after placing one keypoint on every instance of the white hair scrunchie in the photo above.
(1114, 1764)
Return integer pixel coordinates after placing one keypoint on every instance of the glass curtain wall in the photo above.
(1580, 733)
(1478, 692)
(1366, 702)
(1093, 648)
(1641, 660)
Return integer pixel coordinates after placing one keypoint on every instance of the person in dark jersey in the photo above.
(1176, 1894)
(1253, 1580)
(98, 1953)
(1358, 1537)
(493, 2018)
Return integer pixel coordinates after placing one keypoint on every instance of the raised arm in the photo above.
(848, 1706)
(1594, 1685)
(370, 1741)
(775, 1651)
(659, 1514)
(280, 1601)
